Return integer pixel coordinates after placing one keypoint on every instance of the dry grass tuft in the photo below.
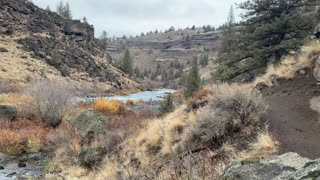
(288, 68)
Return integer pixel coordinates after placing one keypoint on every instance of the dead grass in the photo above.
(290, 66)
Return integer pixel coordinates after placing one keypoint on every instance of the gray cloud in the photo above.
(131, 17)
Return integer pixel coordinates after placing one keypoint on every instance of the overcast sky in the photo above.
(131, 17)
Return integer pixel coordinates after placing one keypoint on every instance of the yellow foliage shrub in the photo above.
(21, 136)
(109, 107)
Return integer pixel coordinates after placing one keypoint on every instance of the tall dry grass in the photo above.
(290, 66)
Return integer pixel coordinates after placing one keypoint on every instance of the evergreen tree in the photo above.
(158, 71)
(271, 30)
(126, 64)
(64, 10)
(137, 72)
(228, 42)
(84, 19)
(167, 106)
(204, 60)
(193, 79)
(67, 11)
(60, 8)
(55, 59)
(48, 8)
(104, 40)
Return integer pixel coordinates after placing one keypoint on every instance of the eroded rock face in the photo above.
(286, 166)
(90, 124)
(44, 31)
(7, 112)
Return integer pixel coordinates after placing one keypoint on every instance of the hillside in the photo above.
(36, 43)
(165, 48)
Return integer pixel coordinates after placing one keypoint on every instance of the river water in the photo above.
(156, 95)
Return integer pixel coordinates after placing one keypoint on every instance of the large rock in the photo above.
(90, 124)
(316, 70)
(286, 166)
(7, 112)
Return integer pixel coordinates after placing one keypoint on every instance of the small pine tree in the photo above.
(84, 19)
(167, 105)
(137, 72)
(104, 41)
(193, 79)
(55, 59)
(60, 8)
(67, 11)
(64, 71)
(126, 63)
(48, 8)
(64, 10)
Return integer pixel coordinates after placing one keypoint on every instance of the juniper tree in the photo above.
(104, 40)
(64, 10)
(167, 106)
(271, 30)
(126, 63)
(193, 79)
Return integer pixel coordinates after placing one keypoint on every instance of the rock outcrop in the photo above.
(286, 166)
(44, 35)
(90, 124)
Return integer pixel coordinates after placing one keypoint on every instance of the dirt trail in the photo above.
(291, 120)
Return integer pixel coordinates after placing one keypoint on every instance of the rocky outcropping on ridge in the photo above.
(286, 166)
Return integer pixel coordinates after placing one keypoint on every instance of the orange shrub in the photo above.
(199, 99)
(21, 136)
(109, 107)
(11, 142)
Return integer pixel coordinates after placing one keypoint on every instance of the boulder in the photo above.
(316, 70)
(7, 112)
(3, 49)
(285, 166)
(90, 124)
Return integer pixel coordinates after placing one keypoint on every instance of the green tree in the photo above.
(126, 64)
(55, 59)
(64, 10)
(193, 79)
(229, 39)
(84, 19)
(271, 30)
(103, 41)
(167, 106)
(137, 72)
(204, 60)
(67, 11)
(60, 8)
(48, 8)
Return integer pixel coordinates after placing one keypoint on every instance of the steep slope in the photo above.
(37, 43)
(165, 48)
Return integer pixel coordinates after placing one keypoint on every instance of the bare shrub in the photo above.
(52, 99)
(233, 112)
